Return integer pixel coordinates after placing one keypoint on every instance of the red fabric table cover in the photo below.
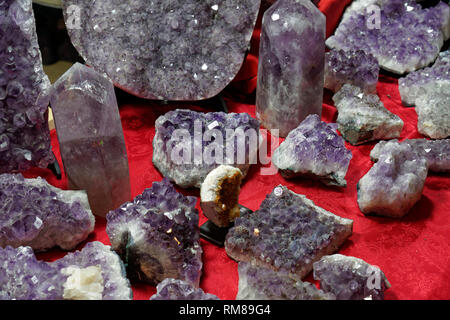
(413, 252)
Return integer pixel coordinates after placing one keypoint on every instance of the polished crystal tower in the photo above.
(291, 65)
(91, 138)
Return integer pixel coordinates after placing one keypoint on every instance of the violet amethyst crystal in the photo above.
(287, 234)
(36, 214)
(362, 117)
(291, 65)
(157, 235)
(188, 144)
(24, 132)
(94, 273)
(168, 50)
(174, 289)
(314, 150)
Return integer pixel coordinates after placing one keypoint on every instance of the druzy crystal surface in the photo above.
(355, 67)
(36, 214)
(314, 149)
(287, 234)
(24, 133)
(362, 117)
(399, 33)
(164, 49)
(26, 278)
(90, 136)
(350, 278)
(291, 65)
(173, 289)
(188, 144)
(157, 235)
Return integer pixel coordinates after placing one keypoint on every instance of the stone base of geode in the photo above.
(329, 180)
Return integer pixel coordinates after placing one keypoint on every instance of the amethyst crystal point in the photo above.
(363, 117)
(93, 273)
(315, 150)
(291, 65)
(188, 144)
(34, 213)
(24, 133)
(393, 31)
(287, 234)
(173, 289)
(354, 67)
(171, 50)
(265, 284)
(91, 138)
(157, 235)
(350, 278)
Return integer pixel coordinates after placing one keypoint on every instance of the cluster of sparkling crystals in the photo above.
(36, 214)
(314, 149)
(157, 235)
(362, 117)
(355, 67)
(23, 277)
(401, 34)
(174, 289)
(188, 144)
(350, 278)
(164, 49)
(24, 133)
(287, 234)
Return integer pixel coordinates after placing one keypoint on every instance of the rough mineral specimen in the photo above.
(36, 214)
(24, 133)
(188, 144)
(265, 284)
(314, 150)
(399, 33)
(91, 138)
(394, 184)
(350, 278)
(173, 289)
(171, 50)
(363, 117)
(291, 65)
(354, 67)
(157, 235)
(287, 234)
(95, 272)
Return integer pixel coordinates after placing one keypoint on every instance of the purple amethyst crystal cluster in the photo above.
(287, 234)
(34, 213)
(314, 149)
(157, 235)
(173, 289)
(24, 133)
(168, 50)
(95, 272)
(188, 144)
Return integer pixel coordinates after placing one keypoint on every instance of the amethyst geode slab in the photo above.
(94, 273)
(157, 235)
(314, 150)
(287, 234)
(36, 214)
(167, 50)
(174, 289)
(24, 132)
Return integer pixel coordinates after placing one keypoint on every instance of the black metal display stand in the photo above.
(55, 169)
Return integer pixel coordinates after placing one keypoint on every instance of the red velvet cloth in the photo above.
(414, 252)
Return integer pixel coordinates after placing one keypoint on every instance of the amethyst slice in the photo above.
(173, 289)
(314, 150)
(24, 133)
(157, 235)
(36, 214)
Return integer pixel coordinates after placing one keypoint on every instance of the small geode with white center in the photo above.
(287, 234)
(36, 214)
(314, 150)
(173, 289)
(362, 117)
(157, 235)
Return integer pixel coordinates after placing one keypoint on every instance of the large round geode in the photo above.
(164, 49)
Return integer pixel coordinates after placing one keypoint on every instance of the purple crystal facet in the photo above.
(173, 289)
